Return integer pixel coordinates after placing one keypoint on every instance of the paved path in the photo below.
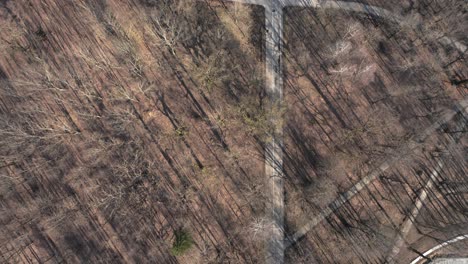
(409, 222)
(432, 250)
(274, 89)
(404, 151)
(274, 148)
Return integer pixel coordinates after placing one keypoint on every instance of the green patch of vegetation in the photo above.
(212, 73)
(181, 131)
(183, 242)
(261, 121)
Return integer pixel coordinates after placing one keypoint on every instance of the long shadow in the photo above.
(320, 91)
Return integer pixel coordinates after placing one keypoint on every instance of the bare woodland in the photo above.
(129, 126)
(359, 91)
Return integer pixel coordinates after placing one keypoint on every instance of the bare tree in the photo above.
(167, 24)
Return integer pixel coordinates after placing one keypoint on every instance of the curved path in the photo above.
(432, 250)
(410, 220)
(277, 243)
(382, 13)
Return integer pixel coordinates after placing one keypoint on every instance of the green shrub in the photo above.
(183, 242)
(181, 131)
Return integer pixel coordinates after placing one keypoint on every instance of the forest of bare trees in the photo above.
(134, 131)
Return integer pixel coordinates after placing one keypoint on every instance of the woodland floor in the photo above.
(122, 122)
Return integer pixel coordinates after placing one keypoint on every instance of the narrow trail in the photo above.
(408, 224)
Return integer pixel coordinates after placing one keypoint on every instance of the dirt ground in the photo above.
(357, 90)
(113, 138)
(123, 122)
